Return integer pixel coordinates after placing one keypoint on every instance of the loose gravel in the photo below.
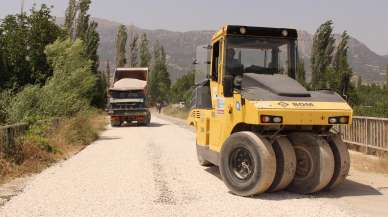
(153, 171)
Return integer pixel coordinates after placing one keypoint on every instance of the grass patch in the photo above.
(47, 142)
(176, 112)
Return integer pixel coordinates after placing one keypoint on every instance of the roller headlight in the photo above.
(277, 119)
(333, 120)
(271, 119)
(344, 120)
(339, 120)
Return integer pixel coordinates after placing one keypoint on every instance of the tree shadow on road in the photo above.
(155, 124)
(348, 189)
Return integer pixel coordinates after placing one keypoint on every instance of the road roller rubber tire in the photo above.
(285, 164)
(315, 163)
(341, 161)
(247, 164)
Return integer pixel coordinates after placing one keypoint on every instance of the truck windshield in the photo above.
(259, 55)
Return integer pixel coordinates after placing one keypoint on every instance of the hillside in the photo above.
(180, 48)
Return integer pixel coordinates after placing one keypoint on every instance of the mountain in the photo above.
(180, 48)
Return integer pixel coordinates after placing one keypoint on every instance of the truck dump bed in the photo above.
(129, 84)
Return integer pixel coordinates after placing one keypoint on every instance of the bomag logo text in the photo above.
(303, 104)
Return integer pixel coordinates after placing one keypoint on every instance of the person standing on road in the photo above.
(159, 107)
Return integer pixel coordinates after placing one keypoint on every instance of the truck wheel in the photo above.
(315, 163)
(285, 164)
(202, 160)
(341, 160)
(148, 122)
(247, 164)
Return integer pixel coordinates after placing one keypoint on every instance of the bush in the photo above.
(25, 106)
(177, 112)
(5, 100)
(68, 92)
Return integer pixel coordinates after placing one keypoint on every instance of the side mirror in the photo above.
(227, 83)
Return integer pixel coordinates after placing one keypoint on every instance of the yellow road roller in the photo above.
(253, 120)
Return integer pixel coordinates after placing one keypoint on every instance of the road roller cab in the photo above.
(263, 129)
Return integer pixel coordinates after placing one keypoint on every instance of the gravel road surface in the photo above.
(153, 171)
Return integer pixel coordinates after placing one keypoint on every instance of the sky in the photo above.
(366, 20)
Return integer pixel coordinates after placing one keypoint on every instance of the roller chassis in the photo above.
(254, 121)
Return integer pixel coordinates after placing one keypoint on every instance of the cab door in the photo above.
(218, 102)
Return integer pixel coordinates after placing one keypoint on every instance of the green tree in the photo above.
(134, 51)
(301, 72)
(160, 82)
(164, 75)
(154, 84)
(92, 42)
(3, 64)
(342, 71)
(70, 18)
(144, 51)
(14, 37)
(23, 39)
(121, 42)
(322, 54)
(386, 77)
(42, 31)
(68, 91)
(182, 89)
(82, 19)
(108, 74)
(372, 101)
(5, 100)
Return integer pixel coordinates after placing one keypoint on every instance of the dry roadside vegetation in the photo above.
(176, 112)
(48, 142)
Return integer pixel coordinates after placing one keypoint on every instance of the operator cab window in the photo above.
(258, 55)
(216, 61)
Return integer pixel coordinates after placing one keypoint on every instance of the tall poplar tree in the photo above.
(121, 42)
(144, 51)
(301, 72)
(342, 70)
(160, 82)
(134, 51)
(92, 42)
(83, 19)
(70, 18)
(108, 76)
(322, 55)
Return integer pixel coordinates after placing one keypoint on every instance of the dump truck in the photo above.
(261, 127)
(128, 97)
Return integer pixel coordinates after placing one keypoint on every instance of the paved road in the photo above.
(152, 171)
